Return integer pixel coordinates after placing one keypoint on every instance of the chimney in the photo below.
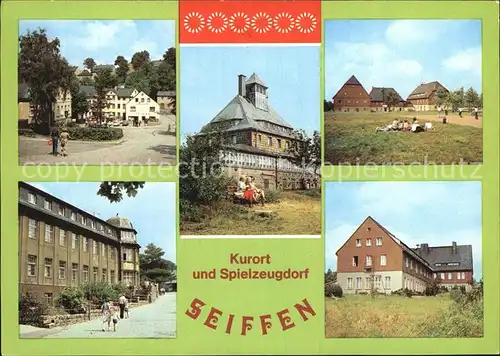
(454, 247)
(241, 85)
(424, 249)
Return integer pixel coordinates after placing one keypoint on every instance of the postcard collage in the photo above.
(250, 177)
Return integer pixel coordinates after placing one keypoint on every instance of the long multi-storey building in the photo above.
(61, 245)
(374, 258)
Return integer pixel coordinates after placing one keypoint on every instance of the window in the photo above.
(411, 264)
(368, 282)
(32, 228)
(48, 234)
(32, 198)
(407, 262)
(279, 143)
(449, 275)
(61, 210)
(152, 109)
(112, 253)
(355, 261)
(368, 260)
(378, 241)
(387, 282)
(269, 141)
(441, 276)
(383, 260)
(94, 247)
(73, 216)
(104, 277)
(142, 100)
(74, 271)
(358, 242)
(82, 220)
(85, 244)
(349, 283)
(358, 282)
(48, 268)
(85, 273)
(368, 242)
(128, 277)
(437, 264)
(47, 204)
(148, 100)
(74, 241)
(260, 138)
(112, 276)
(62, 269)
(92, 224)
(233, 138)
(31, 265)
(378, 281)
(287, 145)
(95, 270)
(48, 298)
(62, 238)
(103, 250)
(136, 100)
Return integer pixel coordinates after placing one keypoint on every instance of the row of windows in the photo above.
(249, 160)
(61, 210)
(151, 109)
(369, 260)
(62, 270)
(368, 242)
(49, 233)
(369, 283)
(442, 275)
(357, 101)
(418, 268)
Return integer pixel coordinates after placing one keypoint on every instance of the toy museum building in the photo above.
(61, 245)
(258, 139)
(373, 258)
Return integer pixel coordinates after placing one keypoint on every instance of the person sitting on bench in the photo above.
(240, 188)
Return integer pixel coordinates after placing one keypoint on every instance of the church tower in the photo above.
(256, 92)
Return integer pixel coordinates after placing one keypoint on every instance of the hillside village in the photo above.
(352, 96)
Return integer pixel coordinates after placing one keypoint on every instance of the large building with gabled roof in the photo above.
(423, 97)
(373, 258)
(386, 99)
(258, 139)
(352, 96)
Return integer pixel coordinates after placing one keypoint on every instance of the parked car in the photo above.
(125, 123)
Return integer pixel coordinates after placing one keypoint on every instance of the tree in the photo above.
(139, 80)
(47, 74)
(471, 98)
(330, 276)
(456, 99)
(122, 69)
(79, 103)
(154, 267)
(327, 105)
(140, 59)
(305, 151)
(87, 81)
(169, 57)
(442, 97)
(104, 80)
(391, 99)
(480, 103)
(113, 191)
(90, 64)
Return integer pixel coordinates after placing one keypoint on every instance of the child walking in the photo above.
(115, 318)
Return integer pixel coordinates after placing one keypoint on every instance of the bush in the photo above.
(26, 132)
(72, 299)
(31, 309)
(273, 196)
(333, 290)
(98, 292)
(404, 292)
(432, 289)
(94, 133)
(457, 295)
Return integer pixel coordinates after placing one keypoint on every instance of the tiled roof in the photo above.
(88, 90)
(446, 258)
(254, 79)
(352, 81)
(424, 90)
(124, 92)
(167, 93)
(379, 94)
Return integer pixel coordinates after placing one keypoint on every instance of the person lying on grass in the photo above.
(392, 127)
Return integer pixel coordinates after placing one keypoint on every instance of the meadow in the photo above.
(361, 316)
(289, 213)
(350, 138)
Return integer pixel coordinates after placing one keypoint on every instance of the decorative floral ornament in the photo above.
(283, 23)
(239, 22)
(217, 22)
(194, 22)
(261, 22)
(306, 22)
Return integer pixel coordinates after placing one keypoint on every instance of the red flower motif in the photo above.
(239, 22)
(217, 22)
(194, 22)
(283, 23)
(261, 22)
(306, 22)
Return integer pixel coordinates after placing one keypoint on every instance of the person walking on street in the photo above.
(64, 141)
(476, 113)
(121, 302)
(54, 133)
(106, 314)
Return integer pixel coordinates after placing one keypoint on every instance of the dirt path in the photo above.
(467, 119)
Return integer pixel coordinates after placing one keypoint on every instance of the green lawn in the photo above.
(360, 316)
(350, 138)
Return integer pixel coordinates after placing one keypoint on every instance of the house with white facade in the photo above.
(141, 108)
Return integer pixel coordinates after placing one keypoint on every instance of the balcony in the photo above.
(368, 266)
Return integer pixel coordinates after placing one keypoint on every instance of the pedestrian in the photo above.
(476, 113)
(445, 112)
(439, 111)
(115, 319)
(121, 302)
(126, 308)
(106, 314)
(54, 133)
(64, 137)
(460, 112)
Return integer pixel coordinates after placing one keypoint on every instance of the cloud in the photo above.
(465, 60)
(411, 31)
(102, 35)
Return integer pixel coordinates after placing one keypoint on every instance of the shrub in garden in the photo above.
(432, 289)
(457, 295)
(273, 196)
(333, 290)
(26, 132)
(94, 133)
(71, 299)
(31, 309)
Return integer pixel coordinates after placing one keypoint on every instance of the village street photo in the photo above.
(251, 151)
(403, 92)
(93, 263)
(399, 265)
(97, 92)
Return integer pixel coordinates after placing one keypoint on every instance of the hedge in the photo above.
(95, 134)
(27, 132)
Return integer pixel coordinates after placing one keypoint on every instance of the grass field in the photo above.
(296, 213)
(350, 138)
(361, 316)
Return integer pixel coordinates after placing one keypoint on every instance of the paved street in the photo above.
(140, 146)
(156, 320)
